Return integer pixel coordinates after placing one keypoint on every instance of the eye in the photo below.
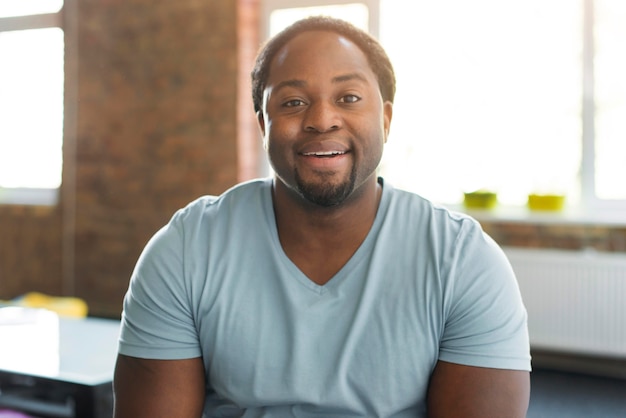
(349, 98)
(293, 103)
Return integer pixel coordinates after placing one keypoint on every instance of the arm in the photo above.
(464, 391)
(145, 388)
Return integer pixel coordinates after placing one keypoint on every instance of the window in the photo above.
(278, 14)
(356, 13)
(607, 36)
(515, 97)
(31, 100)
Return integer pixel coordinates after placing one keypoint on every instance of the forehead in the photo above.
(316, 53)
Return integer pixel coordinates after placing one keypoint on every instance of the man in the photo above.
(322, 291)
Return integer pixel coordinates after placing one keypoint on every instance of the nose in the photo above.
(322, 117)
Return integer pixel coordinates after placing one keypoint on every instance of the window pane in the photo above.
(28, 7)
(610, 91)
(31, 108)
(489, 96)
(355, 13)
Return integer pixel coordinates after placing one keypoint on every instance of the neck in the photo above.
(320, 240)
(296, 213)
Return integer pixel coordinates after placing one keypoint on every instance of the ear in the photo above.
(387, 114)
(261, 121)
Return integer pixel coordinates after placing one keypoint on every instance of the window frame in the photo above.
(22, 195)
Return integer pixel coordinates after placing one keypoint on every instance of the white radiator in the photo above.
(576, 300)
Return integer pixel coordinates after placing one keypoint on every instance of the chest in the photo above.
(370, 334)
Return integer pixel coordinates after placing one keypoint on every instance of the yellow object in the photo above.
(480, 199)
(546, 202)
(62, 305)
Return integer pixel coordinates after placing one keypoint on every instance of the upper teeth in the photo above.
(322, 153)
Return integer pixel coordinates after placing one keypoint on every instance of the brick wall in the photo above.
(30, 250)
(564, 236)
(157, 127)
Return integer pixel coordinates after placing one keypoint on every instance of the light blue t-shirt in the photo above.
(425, 285)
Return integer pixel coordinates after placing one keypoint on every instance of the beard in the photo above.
(325, 193)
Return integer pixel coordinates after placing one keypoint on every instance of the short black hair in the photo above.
(376, 55)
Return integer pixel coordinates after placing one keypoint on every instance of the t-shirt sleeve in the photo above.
(157, 319)
(486, 321)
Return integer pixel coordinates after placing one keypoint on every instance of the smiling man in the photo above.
(322, 291)
(326, 124)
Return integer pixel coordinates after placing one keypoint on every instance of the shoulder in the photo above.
(480, 303)
(190, 227)
(464, 252)
(411, 210)
(242, 197)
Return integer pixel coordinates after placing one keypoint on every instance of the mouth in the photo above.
(323, 154)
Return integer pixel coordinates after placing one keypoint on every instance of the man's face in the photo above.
(323, 121)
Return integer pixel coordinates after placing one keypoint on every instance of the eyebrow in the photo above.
(349, 77)
(338, 79)
(290, 83)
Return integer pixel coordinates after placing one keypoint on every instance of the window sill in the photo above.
(29, 196)
(568, 216)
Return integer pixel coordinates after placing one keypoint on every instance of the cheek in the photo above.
(278, 147)
(373, 132)
(279, 135)
(373, 147)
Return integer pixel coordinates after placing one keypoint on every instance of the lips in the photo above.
(323, 149)
(323, 154)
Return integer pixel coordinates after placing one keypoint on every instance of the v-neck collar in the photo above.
(358, 257)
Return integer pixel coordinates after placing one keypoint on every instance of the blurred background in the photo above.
(115, 113)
